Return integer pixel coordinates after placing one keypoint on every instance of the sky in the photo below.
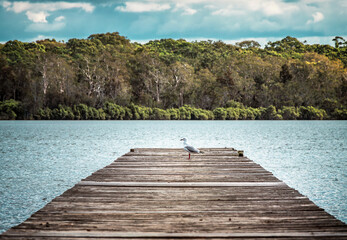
(316, 21)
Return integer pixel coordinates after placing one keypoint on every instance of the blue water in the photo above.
(39, 160)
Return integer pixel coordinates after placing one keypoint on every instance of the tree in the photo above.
(339, 41)
(180, 83)
(49, 77)
(54, 82)
(286, 45)
(206, 90)
(248, 44)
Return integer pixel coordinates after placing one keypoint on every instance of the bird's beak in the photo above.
(181, 139)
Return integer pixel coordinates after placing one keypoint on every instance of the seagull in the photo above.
(189, 148)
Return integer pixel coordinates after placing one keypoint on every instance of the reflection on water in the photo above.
(39, 160)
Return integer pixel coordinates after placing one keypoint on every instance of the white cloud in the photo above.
(37, 12)
(222, 12)
(317, 17)
(37, 17)
(59, 19)
(272, 8)
(40, 37)
(6, 4)
(19, 7)
(189, 11)
(142, 7)
(210, 6)
(186, 9)
(227, 11)
(265, 7)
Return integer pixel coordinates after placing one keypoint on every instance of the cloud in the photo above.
(6, 4)
(40, 37)
(59, 19)
(210, 6)
(272, 9)
(37, 12)
(142, 7)
(37, 17)
(19, 7)
(186, 10)
(189, 11)
(227, 11)
(242, 19)
(267, 8)
(156, 19)
(317, 17)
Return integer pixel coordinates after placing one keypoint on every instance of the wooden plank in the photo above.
(91, 234)
(158, 193)
(180, 178)
(183, 184)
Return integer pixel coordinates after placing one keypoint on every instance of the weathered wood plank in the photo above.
(176, 235)
(184, 184)
(180, 178)
(158, 193)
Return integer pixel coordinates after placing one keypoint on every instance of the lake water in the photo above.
(39, 160)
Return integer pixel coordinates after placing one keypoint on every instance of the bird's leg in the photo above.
(189, 156)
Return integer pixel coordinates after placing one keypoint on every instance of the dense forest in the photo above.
(106, 76)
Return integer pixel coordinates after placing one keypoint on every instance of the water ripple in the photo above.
(39, 160)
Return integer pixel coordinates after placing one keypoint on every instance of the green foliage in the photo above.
(174, 113)
(255, 113)
(102, 114)
(82, 111)
(290, 113)
(234, 104)
(184, 112)
(270, 113)
(286, 45)
(106, 76)
(60, 113)
(329, 105)
(248, 44)
(10, 110)
(160, 114)
(128, 114)
(233, 113)
(339, 114)
(220, 113)
(311, 113)
(115, 112)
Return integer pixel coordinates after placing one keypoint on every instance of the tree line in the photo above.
(287, 79)
(11, 110)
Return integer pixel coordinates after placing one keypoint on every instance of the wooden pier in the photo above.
(159, 193)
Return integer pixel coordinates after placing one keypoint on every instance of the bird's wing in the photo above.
(191, 149)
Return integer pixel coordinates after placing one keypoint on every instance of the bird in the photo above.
(189, 148)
